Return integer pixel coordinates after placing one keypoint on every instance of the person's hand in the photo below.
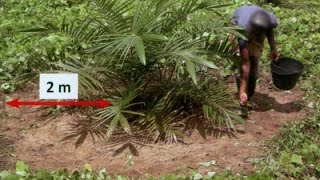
(237, 50)
(243, 98)
(274, 55)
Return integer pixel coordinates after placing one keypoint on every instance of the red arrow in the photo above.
(101, 103)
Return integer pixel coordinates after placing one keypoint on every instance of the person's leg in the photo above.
(253, 81)
(253, 76)
(254, 61)
(243, 108)
(241, 44)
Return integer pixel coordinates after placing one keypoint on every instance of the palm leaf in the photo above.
(87, 75)
(221, 48)
(81, 32)
(140, 49)
(148, 18)
(118, 113)
(186, 55)
(116, 12)
(161, 120)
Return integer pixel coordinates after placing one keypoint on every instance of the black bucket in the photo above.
(286, 72)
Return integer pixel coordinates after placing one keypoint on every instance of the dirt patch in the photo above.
(37, 140)
(6, 148)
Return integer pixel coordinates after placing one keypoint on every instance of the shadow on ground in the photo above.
(267, 103)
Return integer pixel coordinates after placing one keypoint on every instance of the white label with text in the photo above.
(58, 86)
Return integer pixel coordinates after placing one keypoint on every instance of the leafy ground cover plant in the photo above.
(23, 54)
(23, 172)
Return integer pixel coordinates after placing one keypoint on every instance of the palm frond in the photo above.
(87, 75)
(186, 56)
(181, 12)
(145, 20)
(161, 119)
(119, 112)
(121, 46)
(218, 105)
(148, 18)
(81, 32)
(114, 45)
(221, 47)
(116, 13)
(146, 58)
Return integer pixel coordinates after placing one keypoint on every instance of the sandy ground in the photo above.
(36, 140)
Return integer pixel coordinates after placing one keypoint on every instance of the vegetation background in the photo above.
(148, 58)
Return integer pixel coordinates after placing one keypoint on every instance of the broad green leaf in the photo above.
(21, 169)
(102, 173)
(140, 49)
(296, 159)
(197, 176)
(211, 174)
(88, 176)
(4, 174)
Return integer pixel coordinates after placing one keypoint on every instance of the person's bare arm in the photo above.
(274, 55)
(244, 78)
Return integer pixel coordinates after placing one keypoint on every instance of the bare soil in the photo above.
(37, 140)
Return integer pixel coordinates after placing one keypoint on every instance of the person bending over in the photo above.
(258, 24)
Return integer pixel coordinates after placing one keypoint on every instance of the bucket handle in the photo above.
(279, 66)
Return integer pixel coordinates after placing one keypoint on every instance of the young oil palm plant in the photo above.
(147, 58)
